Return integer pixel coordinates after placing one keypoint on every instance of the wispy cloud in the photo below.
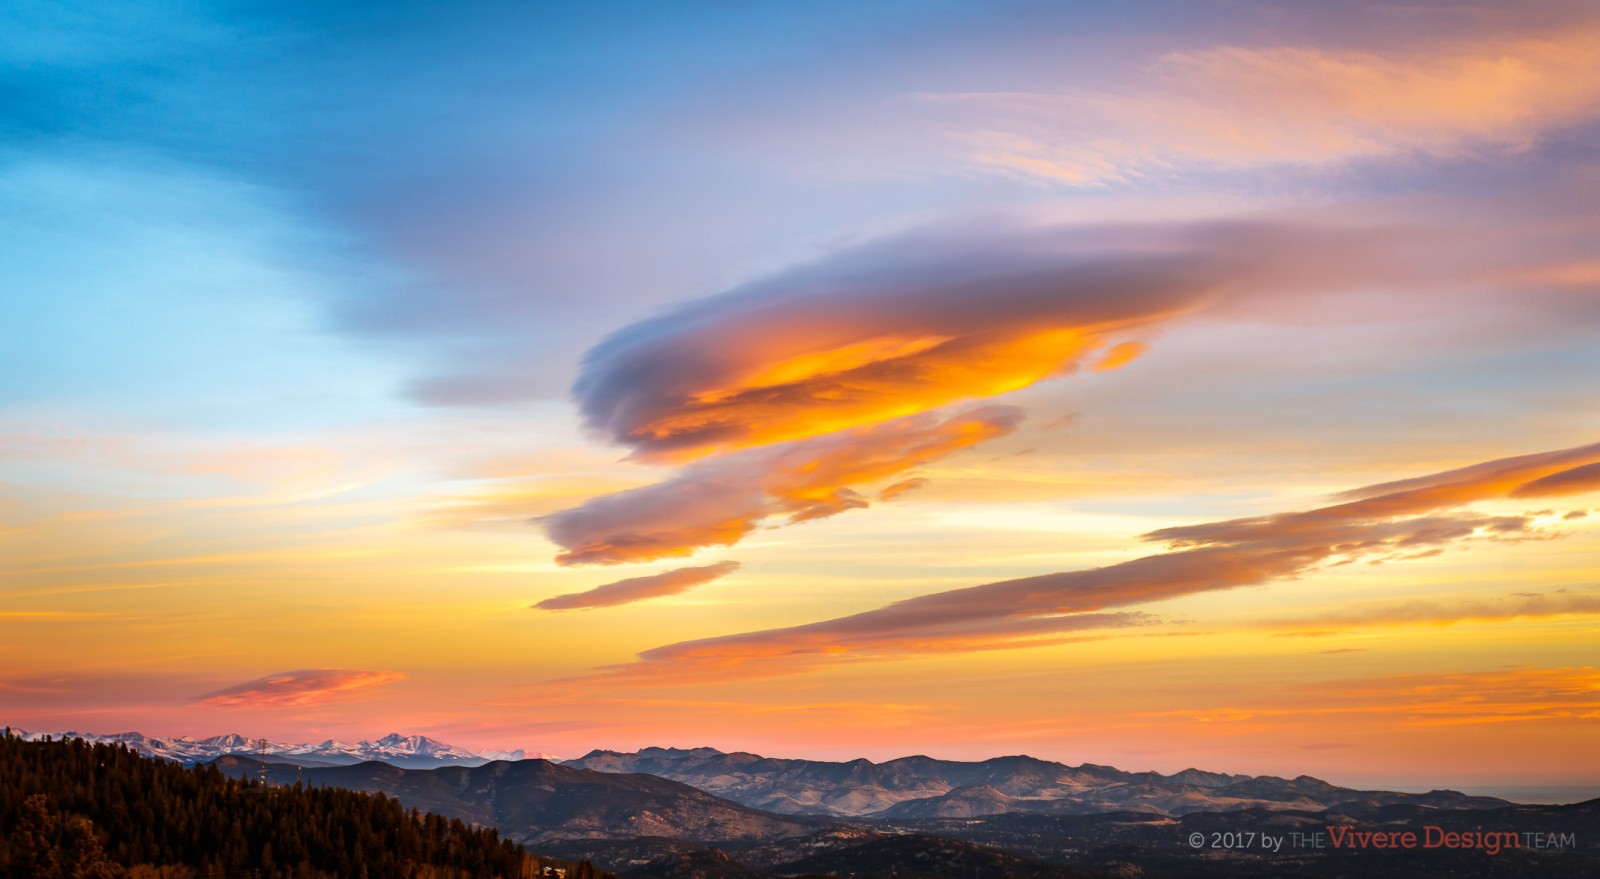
(901, 488)
(1393, 521)
(640, 588)
(1403, 706)
(1431, 612)
(291, 689)
(1235, 107)
(1508, 695)
(1501, 696)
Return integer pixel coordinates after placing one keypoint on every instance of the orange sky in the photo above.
(1215, 393)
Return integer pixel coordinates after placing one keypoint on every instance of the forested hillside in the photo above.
(72, 810)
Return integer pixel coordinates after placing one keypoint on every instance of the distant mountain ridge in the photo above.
(413, 752)
(922, 787)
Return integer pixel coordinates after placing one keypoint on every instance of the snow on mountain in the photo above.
(418, 752)
(514, 755)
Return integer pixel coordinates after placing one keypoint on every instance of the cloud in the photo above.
(1502, 696)
(291, 689)
(1509, 695)
(1119, 355)
(1242, 107)
(716, 502)
(1396, 520)
(863, 636)
(786, 396)
(35, 686)
(1578, 480)
(892, 328)
(901, 488)
(640, 588)
(1520, 476)
(1520, 606)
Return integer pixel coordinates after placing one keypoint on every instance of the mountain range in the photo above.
(907, 788)
(415, 752)
(923, 787)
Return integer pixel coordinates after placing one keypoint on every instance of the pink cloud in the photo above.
(291, 689)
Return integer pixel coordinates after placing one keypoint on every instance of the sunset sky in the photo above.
(1156, 384)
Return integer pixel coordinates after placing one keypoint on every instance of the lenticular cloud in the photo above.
(880, 332)
(799, 396)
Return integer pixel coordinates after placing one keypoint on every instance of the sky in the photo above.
(1155, 384)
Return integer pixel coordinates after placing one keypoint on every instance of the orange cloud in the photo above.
(1120, 355)
(291, 689)
(1521, 476)
(826, 402)
(1578, 480)
(1396, 520)
(640, 588)
(718, 501)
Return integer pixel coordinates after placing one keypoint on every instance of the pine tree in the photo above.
(88, 857)
(36, 854)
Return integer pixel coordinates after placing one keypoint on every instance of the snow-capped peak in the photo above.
(413, 751)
